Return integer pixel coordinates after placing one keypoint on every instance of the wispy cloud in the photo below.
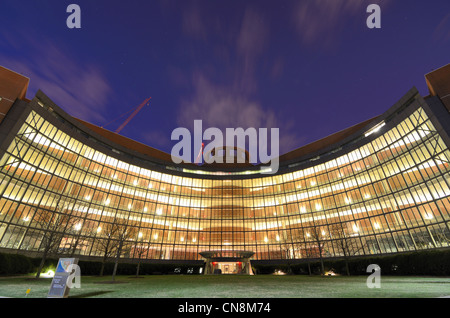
(250, 43)
(79, 88)
(192, 23)
(319, 22)
(442, 31)
(230, 100)
(157, 139)
(226, 107)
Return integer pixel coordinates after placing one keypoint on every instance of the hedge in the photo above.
(433, 262)
(93, 268)
(12, 264)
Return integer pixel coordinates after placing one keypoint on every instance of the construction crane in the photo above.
(200, 153)
(136, 110)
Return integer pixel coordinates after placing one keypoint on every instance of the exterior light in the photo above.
(78, 227)
(308, 235)
(367, 196)
(145, 209)
(130, 206)
(182, 239)
(318, 206)
(99, 229)
(313, 183)
(135, 182)
(278, 238)
(303, 209)
(140, 235)
(266, 239)
(108, 201)
(375, 129)
(355, 228)
(323, 233)
(26, 219)
(88, 197)
(159, 211)
(155, 237)
(194, 240)
(348, 200)
(428, 216)
(49, 274)
(376, 225)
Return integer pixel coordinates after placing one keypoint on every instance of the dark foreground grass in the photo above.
(227, 286)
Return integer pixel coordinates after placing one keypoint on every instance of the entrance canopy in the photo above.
(228, 262)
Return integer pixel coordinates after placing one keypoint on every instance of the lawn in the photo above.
(228, 286)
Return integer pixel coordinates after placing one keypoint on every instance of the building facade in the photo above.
(382, 186)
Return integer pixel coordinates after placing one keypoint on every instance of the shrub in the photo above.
(430, 262)
(12, 264)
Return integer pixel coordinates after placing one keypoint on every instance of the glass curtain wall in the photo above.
(390, 195)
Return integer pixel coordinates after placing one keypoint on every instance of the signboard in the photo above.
(60, 287)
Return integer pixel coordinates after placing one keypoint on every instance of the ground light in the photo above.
(48, 273)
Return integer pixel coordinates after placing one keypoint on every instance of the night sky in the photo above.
(310, 68)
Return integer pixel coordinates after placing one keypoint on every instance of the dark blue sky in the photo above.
(310, 68)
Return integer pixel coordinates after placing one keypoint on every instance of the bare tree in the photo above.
(305, 247)
(319, 235)
(79, 235)
(140, 249)
(348, 245)
(441, 236)
(107, 243)
(286, 245)
(125, 231)
(55, 225)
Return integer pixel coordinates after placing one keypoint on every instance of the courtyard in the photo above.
(232, 286)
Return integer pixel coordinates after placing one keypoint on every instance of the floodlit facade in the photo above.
(382, 186)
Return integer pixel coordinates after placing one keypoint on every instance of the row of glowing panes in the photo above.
(196, 183)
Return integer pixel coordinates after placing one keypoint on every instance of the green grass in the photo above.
(227, 286)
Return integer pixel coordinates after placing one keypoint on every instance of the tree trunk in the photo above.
(44, 258)
(322, 269)
(103, 265)
(116, 263)
(346, 248)
(346, 267)
(75, 247)
(102, 268)
(137, 271)
(115, 268)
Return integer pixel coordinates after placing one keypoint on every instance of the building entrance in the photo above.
(227, 262)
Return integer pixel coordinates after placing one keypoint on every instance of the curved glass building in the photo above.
(381, 186)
